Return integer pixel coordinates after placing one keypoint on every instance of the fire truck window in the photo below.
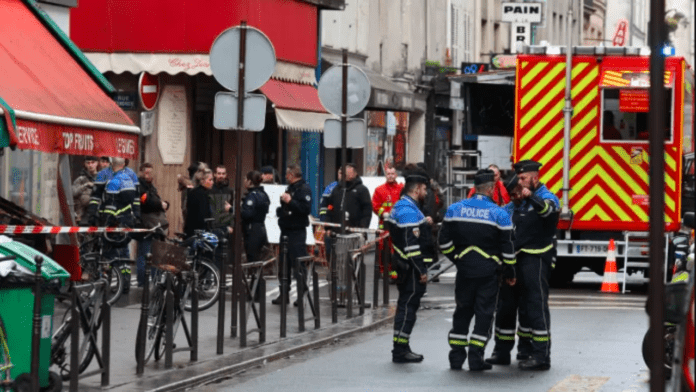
(625, 117)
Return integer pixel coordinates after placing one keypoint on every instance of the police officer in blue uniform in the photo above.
(477, 236)
(535, 220)
(254, 210)
(410, 233)
(510, 304)
(293, 219)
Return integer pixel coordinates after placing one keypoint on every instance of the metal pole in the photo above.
(223, 294)
(568, 115)
(344, 136)
(237, 291)
(36, 326)
(169, 324)
(194, 316)
(74, 341)
(334, 281)
(315, 284)
(262, 308)
(106, 336)
(375, 274)
(284, 286)
(656, 125)
(144, 310)
(386, 263)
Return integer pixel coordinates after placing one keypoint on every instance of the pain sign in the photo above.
(522, 12)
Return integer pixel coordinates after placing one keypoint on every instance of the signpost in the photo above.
(239, 70)
(521, 16)
(349, 100)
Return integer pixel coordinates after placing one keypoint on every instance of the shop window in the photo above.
(18, 182)
(625, 115)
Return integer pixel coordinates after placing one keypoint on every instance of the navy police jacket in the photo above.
(121, 205)
(254, 207)
(295, 214)
(477, 235)
(410, 232)
(535, 220)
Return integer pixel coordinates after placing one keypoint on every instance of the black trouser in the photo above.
(411, 291)
(297, 247)
(474, 296)
(510, 304)
(254, 240)
(534, 275)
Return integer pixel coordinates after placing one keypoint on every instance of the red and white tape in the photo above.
(351, 229)
(24, 229)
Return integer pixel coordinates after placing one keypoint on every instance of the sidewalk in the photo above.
(185, 374)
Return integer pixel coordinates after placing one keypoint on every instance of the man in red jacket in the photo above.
(384, 198)
(500, 194)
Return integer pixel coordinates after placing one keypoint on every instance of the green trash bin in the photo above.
(17, 309)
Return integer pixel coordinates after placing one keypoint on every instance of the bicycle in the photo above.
(6, 365)
(89, 306)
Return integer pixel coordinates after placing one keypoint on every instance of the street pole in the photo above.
(656, 124)
(344, 136)
(238, 299)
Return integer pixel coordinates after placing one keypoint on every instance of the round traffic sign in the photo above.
(259, 61)
(148, 90)
(331, 85)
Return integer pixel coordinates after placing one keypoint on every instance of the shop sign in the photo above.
(391, 124)
(520, 34)
(522, 12)
(472, 68)
(171, 132)
(126, 100)
(633, 101)
(502, 61)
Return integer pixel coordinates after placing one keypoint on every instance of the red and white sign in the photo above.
(148, 90)
(633, 101)
(61, 139)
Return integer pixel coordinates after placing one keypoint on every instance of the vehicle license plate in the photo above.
(592, 249)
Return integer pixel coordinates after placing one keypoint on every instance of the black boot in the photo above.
(535, 364)
(402, 354)
(279, 300)
(476, 362)
(499, 358)
(457, 358)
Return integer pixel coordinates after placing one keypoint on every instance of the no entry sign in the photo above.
(148, 90)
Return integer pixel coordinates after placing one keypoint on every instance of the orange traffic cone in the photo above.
(610, 283)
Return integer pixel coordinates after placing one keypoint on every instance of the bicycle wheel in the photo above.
(5, 365)
(94, 268)
(61, 346)
(208, 286)
(115, 283)
(155, 322)
(161, 340)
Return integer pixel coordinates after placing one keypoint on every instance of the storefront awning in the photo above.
(387, 95)
(50, 99)
(297, 106)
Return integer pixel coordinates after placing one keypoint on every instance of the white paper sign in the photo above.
(171, 127)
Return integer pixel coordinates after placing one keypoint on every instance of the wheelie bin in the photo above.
(17, 309)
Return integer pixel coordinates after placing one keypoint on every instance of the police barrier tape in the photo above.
(370, 244)
(351, 229)
(25, 229)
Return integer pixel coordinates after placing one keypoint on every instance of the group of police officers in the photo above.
(503, 255)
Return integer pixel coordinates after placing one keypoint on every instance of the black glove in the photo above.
(509, 272)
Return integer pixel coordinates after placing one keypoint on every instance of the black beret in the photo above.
(267, 170)
(484, 176)
(511, 182)
(526, 166)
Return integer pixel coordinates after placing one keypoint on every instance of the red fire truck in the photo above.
(608, 160)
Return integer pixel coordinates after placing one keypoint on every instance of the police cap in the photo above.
(511, 182)
(417, 176)
(484, 176)
(526, 166)
(266, 170)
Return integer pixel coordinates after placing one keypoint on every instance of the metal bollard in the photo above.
(284, 287)
(106, 337)
(236, 283)
(144, 311)
(386, 262)
(350, 269)
(375, 274)
(262, 308)
(74, 341)
(169, 326)
(334, 281)
(194, 317)
(36, 325)
(221, 299)
(300, 295)
(362, 278)
(315, 283)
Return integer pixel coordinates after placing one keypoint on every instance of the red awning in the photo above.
(297, 106)
(58, 107)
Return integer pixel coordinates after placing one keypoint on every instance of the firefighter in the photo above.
(382, 202)
(410, 233)
(509, 303)
(477, 236)
(535, 220)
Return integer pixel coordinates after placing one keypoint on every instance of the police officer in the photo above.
(535, 220)
(410, 234)
(477, 236)
(121, 208)
(254, 211)
(293, 219)
(510, 304)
